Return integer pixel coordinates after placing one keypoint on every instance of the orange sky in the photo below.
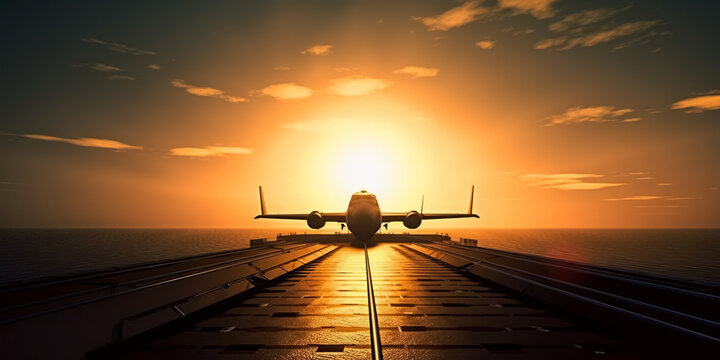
(560, 116)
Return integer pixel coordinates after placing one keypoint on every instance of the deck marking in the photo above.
(375, 344)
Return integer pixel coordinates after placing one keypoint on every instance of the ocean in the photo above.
(27, 254)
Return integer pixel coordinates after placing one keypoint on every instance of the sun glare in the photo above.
(364, 168)
(383, 145)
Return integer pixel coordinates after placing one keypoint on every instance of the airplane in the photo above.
(363, 216)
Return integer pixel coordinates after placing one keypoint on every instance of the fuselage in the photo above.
(363, 215)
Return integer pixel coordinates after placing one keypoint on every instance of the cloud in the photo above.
(206, 91)
(120, 77)
(455, 17)
(87, 142)
(209, 151)
(485, 44)
(636, 198)
(575, 21)
(652, 197)
(567, 181)
(105, 68)
(119, 47)
(595, 114)
(153, 67)
(602, 36)
(94, 41)
(281, 68)
(698, 104)
(541, 9)
(417, 71)
(110, 69)
(352, 123)
(357, 85)
(286, 91)
(665, 184)
(317, 50)
(544, 44)
(518, 32)
(577, 24)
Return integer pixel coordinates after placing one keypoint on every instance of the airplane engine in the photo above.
(315, 220)
(412, 220)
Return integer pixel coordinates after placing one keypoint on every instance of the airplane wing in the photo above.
(333, 217)
(390, 217)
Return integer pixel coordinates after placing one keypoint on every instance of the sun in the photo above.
(364, 167)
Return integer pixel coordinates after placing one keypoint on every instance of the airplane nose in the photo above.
(363, 218)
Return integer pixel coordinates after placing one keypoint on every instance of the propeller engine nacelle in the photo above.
(315, 220)
(412, 220)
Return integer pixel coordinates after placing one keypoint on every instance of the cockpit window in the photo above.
(364, 198)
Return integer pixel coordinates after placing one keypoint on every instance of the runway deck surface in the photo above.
(426, 309)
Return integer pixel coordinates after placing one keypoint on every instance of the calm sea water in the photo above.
(27, 254)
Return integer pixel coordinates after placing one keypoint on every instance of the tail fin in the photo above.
(472, 195)
(263, 211)
(422, 204)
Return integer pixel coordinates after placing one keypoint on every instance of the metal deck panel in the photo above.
(426, 310)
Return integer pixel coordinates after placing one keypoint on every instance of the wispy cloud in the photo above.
(576, 21)
(281, 68)
(350, 123)
(207, 151)
(623, 30)
(113, 70)
(286, 91)
(86, 142)
(119, 47)
(518, 32)
(206, 91)
(541, 9)
(485, 44)
(596, 114)
(105, 68)
(698, 104)
(567, 181)
(455, 17)
(547, 43)
(357, 85)
(317, 50)
(639, 29)
(652, 197)
(120, 77)
(417, 71)
(153, 67)
(636, 198)
(588, 28)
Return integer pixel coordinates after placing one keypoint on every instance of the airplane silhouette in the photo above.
(363, 216)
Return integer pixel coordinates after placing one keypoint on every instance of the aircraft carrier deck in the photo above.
(315, 296)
